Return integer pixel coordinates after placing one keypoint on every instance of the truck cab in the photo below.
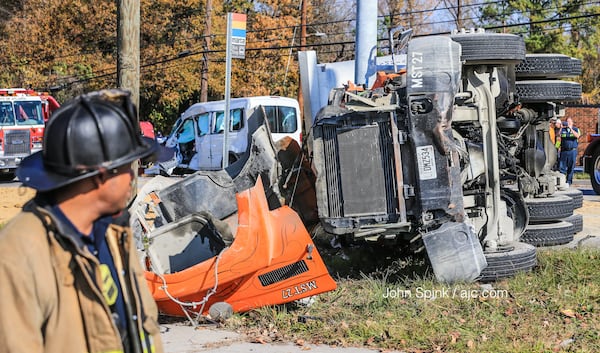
(21, 130)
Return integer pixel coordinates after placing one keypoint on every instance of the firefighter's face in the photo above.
(116, 188)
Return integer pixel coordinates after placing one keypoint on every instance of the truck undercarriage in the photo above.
(453, 149)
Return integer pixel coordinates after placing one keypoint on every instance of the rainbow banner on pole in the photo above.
(237, 23)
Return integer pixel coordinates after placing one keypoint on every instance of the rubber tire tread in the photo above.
(505, 264)
(595, 173)
(491, 47)
(548, 234)
(548, 66)
(549, 208)
(575, 194)
(577, 67)
(577, 221)
(507, 271)
(548, 91)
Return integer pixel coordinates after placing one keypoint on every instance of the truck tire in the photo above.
(577, 221)
(548, 233)
(575, 194)
(508, 260)
(548, 91)
(549, 208)
(500, 48)
(548, 66)
(595, 172)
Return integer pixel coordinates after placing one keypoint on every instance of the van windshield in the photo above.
(281, 119)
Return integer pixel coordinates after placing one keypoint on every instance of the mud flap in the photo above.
(454, 252)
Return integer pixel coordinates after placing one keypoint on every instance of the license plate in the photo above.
(426, 162)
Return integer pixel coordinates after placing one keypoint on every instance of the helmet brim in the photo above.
(33, 173)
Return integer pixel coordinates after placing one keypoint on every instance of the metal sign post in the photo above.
(236, 48)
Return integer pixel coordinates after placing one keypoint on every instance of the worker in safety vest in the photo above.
(568, 144)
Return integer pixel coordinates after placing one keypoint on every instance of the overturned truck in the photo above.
(451, 155)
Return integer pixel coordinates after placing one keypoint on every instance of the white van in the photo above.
(198, 134)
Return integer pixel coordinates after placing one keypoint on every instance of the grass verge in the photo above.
(555, 308)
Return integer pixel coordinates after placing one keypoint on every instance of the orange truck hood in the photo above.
(272, 260)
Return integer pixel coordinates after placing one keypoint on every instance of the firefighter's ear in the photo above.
(99, 179)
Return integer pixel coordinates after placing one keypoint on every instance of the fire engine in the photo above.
(23, 114)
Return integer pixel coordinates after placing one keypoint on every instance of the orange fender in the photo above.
(272, 260)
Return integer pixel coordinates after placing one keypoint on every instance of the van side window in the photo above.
(281, 119)
(186, 132)
(219, 122)
(236, 120)
(203, 124)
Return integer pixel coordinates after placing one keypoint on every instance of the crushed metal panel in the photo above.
(454, 252)
(182, 244)
(213, 192)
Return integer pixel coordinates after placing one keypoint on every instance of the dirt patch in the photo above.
(591, 217)
(12, 200)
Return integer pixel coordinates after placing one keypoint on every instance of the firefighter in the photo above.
(70, 278)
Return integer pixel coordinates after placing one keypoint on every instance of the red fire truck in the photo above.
(23, 114)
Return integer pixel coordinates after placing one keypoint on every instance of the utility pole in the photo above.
(128, 44)
(128, 58)
(207, 43)
(303, 25)
(302, 48)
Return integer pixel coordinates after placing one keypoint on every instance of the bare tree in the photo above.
(461, 12)
(330, 30)
(413, 14)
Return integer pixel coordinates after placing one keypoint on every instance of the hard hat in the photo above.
(94, 132)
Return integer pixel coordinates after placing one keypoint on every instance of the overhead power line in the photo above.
(341, 42)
